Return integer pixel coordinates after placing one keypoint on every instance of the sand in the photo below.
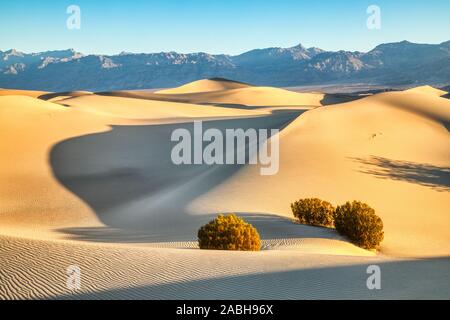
(126, 272)
(87, 179)
(205, 85)
(250, 96)
(29, 93)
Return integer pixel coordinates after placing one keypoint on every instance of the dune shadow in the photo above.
(407, 279)
(328, 99)
(427, 175)
(334, 98)
(269, 226)
(182, 99)
(280, 108)
(447, 126)
(128, 178)
(48, 96)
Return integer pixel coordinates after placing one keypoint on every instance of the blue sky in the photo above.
(216, 26)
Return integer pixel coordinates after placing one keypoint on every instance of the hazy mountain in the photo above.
(279, 56)
(392, 63)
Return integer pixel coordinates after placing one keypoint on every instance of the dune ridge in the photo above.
(29, 93)
(253, 97)
(205, 85)
(226, 93)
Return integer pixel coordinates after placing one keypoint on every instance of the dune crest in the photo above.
(206, 85)
(30, 93)
(255, 97)
(427, 90)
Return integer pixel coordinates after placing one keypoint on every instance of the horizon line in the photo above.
(123, 52)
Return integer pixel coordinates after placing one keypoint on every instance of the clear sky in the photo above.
(217, 26)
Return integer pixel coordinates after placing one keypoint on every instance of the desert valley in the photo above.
(86, 179)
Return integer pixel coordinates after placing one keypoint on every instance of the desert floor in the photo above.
(86, 179)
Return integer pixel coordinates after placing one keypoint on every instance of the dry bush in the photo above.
(359, 223)
(313, 211)
(229, 233)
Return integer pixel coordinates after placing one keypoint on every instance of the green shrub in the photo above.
(229, 233)
(313, 211)
(359, 223)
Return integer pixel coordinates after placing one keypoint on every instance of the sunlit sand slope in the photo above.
(206, 85)
(29, 93)
(127, 108)
(253, 96)
(231, 94)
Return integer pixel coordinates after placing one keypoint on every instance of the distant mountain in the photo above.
(399, 63)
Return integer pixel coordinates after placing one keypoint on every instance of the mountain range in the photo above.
(401, 63)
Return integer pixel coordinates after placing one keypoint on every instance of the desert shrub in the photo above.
(359, 223)
(313, 211)
(229, 233)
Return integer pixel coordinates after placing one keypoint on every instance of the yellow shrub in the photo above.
(313, 211)
(358, 222)
(229, 233)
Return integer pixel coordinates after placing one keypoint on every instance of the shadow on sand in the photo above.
(330, 99)
(269, 226)
(427, 175)
(408, 279)
(127, 177)
(52, 95)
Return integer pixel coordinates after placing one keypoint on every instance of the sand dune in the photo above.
(427, 90)
(231, 94)
(30, 195)
(57, 96)
(206, 85)
(128, 108)
(29, 93)
(253, 97)
(91, 175)
(422, 101)
(394, 158)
